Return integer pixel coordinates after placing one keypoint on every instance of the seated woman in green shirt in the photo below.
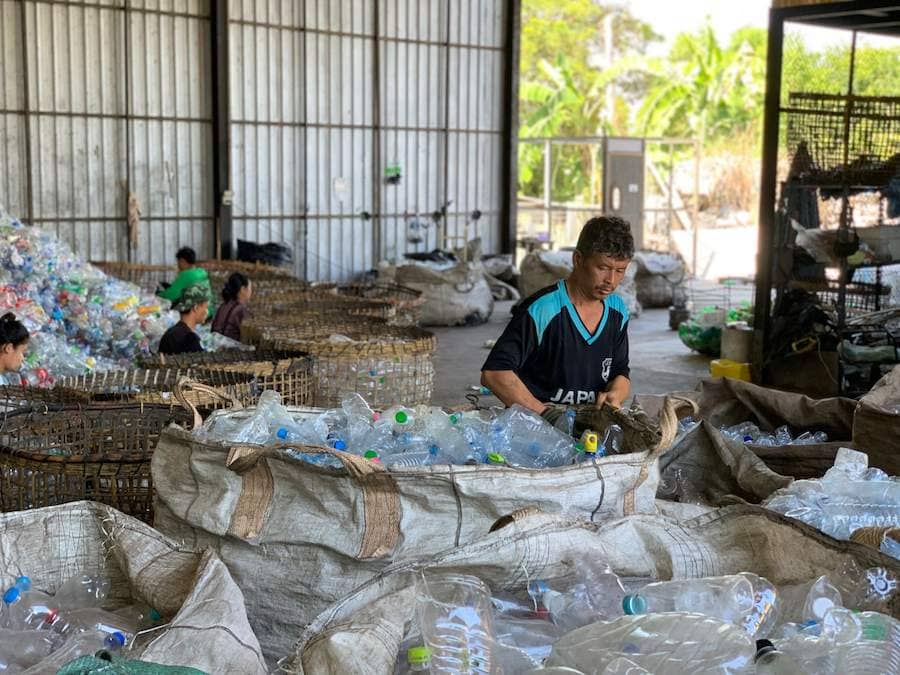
(188, 275)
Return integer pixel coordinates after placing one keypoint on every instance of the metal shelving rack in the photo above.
(840, 145)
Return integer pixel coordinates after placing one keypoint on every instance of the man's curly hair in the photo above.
(607, 235)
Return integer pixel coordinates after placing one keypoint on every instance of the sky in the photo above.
(670, 17)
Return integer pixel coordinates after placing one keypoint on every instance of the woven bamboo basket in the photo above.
(264, 331)
(12, 397)
(262, 277)
(156, 385)
(403, 298)
(386, 364)
(286, 371)
(252, 270)
(405, 302)
(312, 305)
(96, 452)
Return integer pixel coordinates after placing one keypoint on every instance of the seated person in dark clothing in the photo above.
(233, 311)
(568, 343)
(193, 306)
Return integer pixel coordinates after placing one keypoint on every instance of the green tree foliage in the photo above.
(877, 72)
(562, 94)
(705, 88)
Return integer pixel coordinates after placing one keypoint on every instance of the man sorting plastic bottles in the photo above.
(568, 343)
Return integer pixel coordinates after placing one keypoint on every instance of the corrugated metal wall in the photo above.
(325, 95)
(110, 100)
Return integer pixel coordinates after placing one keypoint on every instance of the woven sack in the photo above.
(205, 624)
(298, 536)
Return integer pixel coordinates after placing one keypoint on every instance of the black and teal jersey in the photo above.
(548, 347)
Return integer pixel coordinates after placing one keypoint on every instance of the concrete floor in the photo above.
(660, 363)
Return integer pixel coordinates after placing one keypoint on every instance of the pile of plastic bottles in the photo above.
(406, 437)
(55, 293)
(738, 623)
(848, 497)
(40, 633)
(748, 432)
(214, 342)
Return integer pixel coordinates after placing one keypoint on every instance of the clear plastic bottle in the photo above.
(399, 418)
(766, 607)
(809, 602)
(20, 649)
(532, 442)
(27, 609)
(80, 591)
(570, 421)
(139, 615)
(877, 652)
(454, 614)
(783, 435)
(406, 460)
(770, 661)
(96, 620)
(603, 588)
(568, 610)
(663, 644)
(532, 636)
(613, 440)
(729, 598)
(76, 645)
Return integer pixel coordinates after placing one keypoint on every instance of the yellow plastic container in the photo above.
(729, 368)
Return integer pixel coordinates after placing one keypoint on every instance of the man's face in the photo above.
(598, 275)
(182, 264)
(200, 312)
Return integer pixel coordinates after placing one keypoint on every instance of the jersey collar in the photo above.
(573, 315)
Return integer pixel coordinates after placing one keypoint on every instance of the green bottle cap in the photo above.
(496, 458)
(371, 454)
(418, 656)
(634, 604)
(455, 417)
(401, 417)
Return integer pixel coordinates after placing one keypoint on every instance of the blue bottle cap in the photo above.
(115, 640)
(282, 433)
(340, 445)
(433, 450)
(12, 595)
(538, 588)
(634, 604)
(23, 582)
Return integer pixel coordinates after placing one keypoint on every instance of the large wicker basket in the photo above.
(407, 302)
(157, 385)
(314, 305)
(12, 397)
(386, 364)
(97, 452)
(264, 331)
(286, 371)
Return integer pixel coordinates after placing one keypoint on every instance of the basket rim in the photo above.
(125, 457)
